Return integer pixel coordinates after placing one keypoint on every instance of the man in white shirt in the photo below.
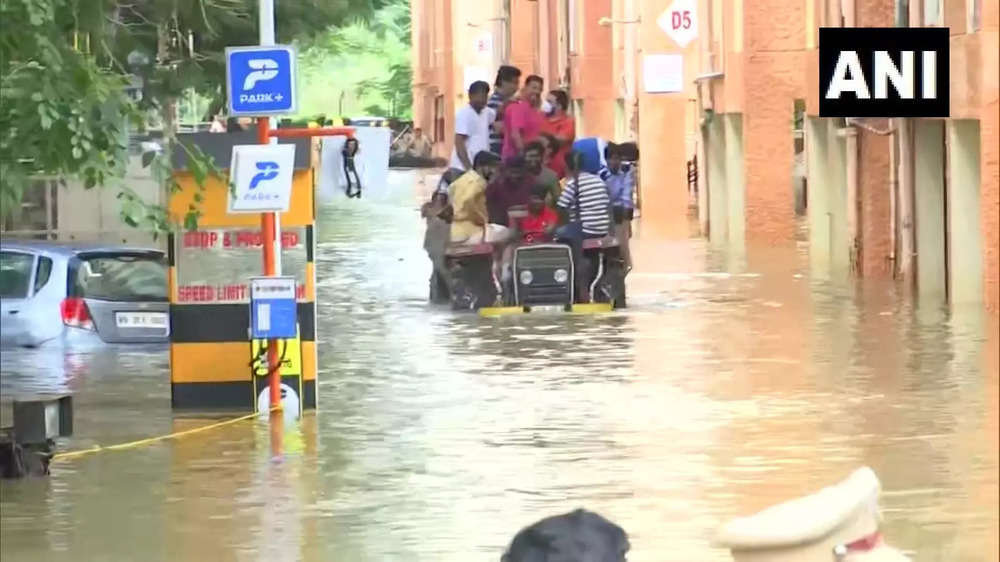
(472, 127)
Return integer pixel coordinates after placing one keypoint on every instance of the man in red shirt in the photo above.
(541, 221)
(522, 120)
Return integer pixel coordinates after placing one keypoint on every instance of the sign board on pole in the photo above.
(680, 21)
(261, 80)
(261, 178)
(273, 308)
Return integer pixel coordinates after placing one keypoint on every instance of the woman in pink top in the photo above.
(522, 121)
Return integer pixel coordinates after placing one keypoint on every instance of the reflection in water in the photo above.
(719, 392)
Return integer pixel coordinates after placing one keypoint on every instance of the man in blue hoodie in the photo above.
(592, 150)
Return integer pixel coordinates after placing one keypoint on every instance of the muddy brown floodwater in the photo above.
(731, 383)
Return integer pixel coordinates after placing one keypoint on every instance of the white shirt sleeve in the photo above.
(465, 121)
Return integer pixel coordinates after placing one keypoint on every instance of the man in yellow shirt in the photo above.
(469, 224)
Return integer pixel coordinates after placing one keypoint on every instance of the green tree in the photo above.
(62, 112)
(65, 65)
(368, 60)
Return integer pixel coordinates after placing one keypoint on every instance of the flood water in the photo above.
(731, 383)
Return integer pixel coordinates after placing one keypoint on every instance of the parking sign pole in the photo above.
(269, 221)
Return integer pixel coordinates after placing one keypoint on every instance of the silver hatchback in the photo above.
(74, 294)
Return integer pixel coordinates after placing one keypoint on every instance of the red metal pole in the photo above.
(269, 235)
(300, 132)
(267, 227)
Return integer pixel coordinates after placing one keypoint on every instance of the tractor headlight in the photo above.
(526, 277)
(560, 275)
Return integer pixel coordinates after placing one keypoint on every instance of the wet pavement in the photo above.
(724, 388)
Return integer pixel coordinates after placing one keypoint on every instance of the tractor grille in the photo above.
(542, 262)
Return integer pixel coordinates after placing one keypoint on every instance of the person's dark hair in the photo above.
(506, 73)
(612, 149)
(534, 145)
(562, 98)
(579, 535)
(479, 87)
(534, 78)
(485, 158)
(629, 151)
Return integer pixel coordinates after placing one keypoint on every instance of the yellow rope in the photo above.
(74, 454)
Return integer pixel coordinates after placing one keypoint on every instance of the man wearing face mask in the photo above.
(561, 126)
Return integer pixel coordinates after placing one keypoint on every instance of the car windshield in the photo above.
(15, 274)
(122, 277)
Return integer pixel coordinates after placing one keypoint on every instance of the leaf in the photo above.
(147, 158)
(191, 220)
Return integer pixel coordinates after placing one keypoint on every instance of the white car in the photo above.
(77, 294)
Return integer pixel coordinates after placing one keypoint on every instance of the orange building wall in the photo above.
(874, 214)
(592, 70)
(663, 171)
(524, 37)
(774, 34)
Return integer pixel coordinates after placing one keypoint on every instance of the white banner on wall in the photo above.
(663, 74)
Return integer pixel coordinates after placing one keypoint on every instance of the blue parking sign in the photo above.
(261, 80)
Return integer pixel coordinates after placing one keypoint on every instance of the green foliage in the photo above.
(65, 65)
(365, 63)
(62, 113)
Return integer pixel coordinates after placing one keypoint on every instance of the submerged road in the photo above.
(721, 390)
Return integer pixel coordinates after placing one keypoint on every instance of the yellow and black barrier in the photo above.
(210, 363)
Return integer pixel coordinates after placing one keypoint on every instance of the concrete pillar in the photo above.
(818, 211)
(703, 133)
(989, 176)
(735, 188)
(929, 205)
(840, 239)
(965, 241)
(718, 201)
(663, 168)
(773, 80)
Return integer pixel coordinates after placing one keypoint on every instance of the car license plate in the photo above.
(142, 320)
(548, 308)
